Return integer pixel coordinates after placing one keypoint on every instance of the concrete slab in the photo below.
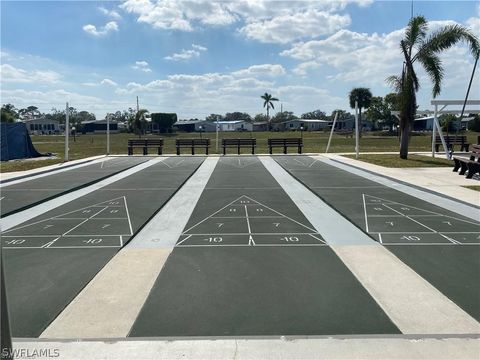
(381, 348)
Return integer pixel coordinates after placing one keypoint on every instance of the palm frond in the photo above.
(415, 31)
(271, 104)
(274, 99)
(394, 82)
(446, 37)
(433, 67)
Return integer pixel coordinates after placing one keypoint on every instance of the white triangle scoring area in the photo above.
(247, 222)
(394, 223)
(104, 224)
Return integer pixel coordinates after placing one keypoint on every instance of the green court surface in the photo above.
(49, 259)
(440, 245)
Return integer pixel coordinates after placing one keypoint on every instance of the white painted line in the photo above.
(411, 302)
(22, 216)
(380, 238)
(365, 211)
(188, 237)
(128, 215)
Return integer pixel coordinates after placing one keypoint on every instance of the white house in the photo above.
(42, 126)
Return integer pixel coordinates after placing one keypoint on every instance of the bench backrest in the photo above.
(452, 139)
(136, 142)
(193, 142)
(154, 142)
(237, 142)
(145, 142)
(285, 141)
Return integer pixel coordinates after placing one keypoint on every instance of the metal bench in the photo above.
(239, 143)
(192, 144)
(285, 143)
(145, 144)
(452, 140)
(471, 165)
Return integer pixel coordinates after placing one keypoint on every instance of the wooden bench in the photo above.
(192, 144)
(285, 143)
(471, 165)
(145, 144)
(239, 143)
(452, 140)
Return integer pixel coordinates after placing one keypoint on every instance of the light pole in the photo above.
(74, 133)
(301, 132)
(200, 128)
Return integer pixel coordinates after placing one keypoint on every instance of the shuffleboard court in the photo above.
(440, 245)
(249, 263)
(27, 193)
(49, 259)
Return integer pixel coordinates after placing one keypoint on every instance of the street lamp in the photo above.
(74, 133)
(200, 128)
(301, 132)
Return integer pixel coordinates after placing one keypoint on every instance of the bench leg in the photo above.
(224, 151)
(300, 149)
(472, 170)
(270, 150)
(130, 151)
(463, 169)
(284, 149)
(145, 151)
(160, 151)
(178, 150)
(436, 148)
(206, 150)
(193, 150)
(457, 165)
(253, 150)
(238, 150)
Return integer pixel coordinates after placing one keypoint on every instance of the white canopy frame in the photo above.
(436, 126)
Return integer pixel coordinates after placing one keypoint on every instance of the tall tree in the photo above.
(9, 113)
(316, 114)
(364, 98)
(283, 116)
(268, 103)
(417, 47)
(139, 121)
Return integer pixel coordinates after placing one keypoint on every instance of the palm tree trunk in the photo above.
(404, 140)
(268, 119)
(360, 121)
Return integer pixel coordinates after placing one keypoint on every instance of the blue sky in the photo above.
(196, 58)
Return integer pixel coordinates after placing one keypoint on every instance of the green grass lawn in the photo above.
(394, 161)
(472, 187)
(315, 142)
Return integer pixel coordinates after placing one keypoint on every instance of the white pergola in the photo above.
(436, 126)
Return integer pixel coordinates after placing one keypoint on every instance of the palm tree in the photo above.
(364, 98)
(417, 47)
(268, 102)
(138, 122)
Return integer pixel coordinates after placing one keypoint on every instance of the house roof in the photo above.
(308, 121)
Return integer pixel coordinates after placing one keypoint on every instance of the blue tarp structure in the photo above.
(15, 142)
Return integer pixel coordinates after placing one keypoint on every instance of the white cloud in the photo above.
(110, 13)
(261, 70)
(199, 47)
(179, 15)
(184, 54)
(266, 21)
(303, 68)
(22, 97)
(108, 82)
(290, 27)
(109, 27)
(142, 66)
(9, 73)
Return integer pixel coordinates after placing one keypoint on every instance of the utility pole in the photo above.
(67, 130)
(137, 105)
